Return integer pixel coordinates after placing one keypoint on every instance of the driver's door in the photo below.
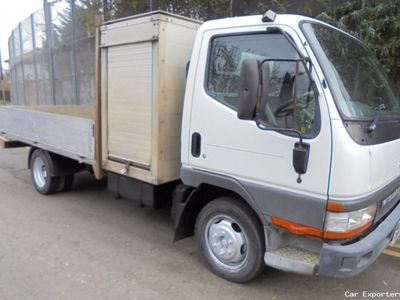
(259, 159)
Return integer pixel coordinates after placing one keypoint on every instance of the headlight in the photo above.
(345, 225)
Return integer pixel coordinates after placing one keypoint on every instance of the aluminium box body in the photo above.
(143, 68)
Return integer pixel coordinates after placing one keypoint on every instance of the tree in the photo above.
(212, 9)
(377, 23)
(75, 19)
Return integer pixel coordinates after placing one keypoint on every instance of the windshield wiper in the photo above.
(371, 128)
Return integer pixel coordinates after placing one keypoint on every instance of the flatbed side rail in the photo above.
(69, 136)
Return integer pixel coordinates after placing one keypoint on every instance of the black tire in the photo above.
(65, 183)
(226, 220)
(42, 180)
(116, 195)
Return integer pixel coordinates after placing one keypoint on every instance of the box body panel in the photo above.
(144, 62)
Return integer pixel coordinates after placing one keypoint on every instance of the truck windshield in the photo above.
(360, 86)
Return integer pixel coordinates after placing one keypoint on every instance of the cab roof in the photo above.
(254, 20)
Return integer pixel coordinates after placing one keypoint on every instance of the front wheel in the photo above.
(231, 239)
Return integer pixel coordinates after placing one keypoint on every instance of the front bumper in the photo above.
(345, 261)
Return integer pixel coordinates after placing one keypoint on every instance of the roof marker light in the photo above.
(269, 16)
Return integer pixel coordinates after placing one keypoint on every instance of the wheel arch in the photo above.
(201, 188)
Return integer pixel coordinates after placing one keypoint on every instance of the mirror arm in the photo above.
(303, 58)
(288, 130)
(304, 61)
(300, 152)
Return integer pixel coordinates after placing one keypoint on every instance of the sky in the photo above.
(11, 13)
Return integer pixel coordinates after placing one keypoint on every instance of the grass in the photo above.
(2, 102)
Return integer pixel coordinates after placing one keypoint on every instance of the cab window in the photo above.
(290, 102)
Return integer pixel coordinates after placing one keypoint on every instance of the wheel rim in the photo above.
(40, 172)
(226, 242)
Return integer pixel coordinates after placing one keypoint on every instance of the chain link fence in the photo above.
(52, 55)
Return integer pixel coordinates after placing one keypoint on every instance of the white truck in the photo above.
(278, 144)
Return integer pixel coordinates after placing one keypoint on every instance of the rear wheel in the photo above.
(42, 180)
(231, 239)
(65, 183)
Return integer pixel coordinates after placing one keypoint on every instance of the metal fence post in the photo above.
(35, 58)
(14, 73)
(49, 39)
(105, 10)
(21, 46)
(3, 92)
(73, 58)
(11, 69)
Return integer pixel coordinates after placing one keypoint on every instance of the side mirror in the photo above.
(248, 89)
(301, 153)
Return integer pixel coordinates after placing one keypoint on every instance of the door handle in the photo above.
(196, 144)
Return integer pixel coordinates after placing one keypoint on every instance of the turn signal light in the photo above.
(338, 225)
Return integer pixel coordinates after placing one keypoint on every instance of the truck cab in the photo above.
(290, 149)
